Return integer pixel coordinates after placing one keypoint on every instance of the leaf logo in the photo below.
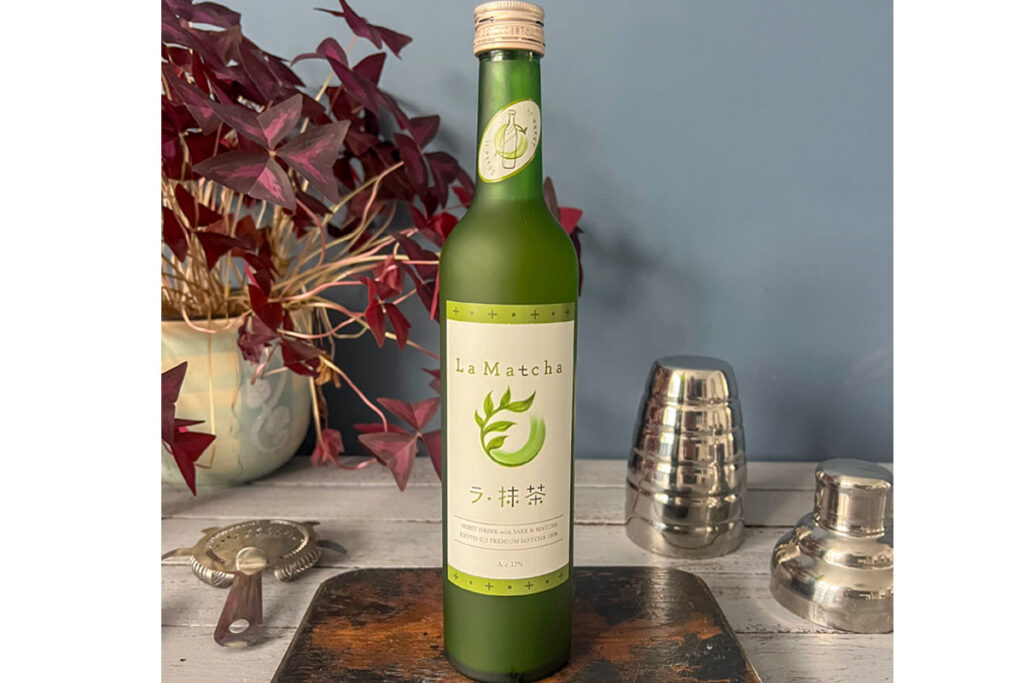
(492, 437)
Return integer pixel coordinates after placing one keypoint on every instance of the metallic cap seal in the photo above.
(835, 568)
(508, 25)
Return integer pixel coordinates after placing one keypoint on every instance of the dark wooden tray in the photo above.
(630, 624)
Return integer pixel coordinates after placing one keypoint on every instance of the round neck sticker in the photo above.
(509, 142)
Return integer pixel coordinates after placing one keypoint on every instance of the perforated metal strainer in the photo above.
(237, 555)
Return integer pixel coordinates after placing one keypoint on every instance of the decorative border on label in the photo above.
(506, 587)
(510, 314)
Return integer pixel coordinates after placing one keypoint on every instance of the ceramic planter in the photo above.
(259, 425)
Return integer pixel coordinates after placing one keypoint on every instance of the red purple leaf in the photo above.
(225, 43)
(396, 451)
(443, 223)
(185, 446)
(393, 39)
(417, 253)
(246, 227)
(417, 415)
(170, 387)
(198, 104)
(198, 214)
(328, 49)
(186, 449)
(328, 447)
(255, 175)
(281, 71)
(433, 442)
(418, 219)
(205, 13)
(172, 31)
(424, 128)
(550, 198)
(301, 219)
(261, 265)
(174, 235)
(314, 111)
(399, 324)
(362, 90)
(253, 337)
(258, 299)
(360, 142)
(371, 67)
(202, 147)
(569, 218)
(433, 304)
(388, 276)
(364, 29)
(300, 357)
(464, 194)
(277, 121)
(445, 170)
(358, 24)
(392, 106)
(435, 382)
(216, 245)
(255, 65)
(426, 290)
(313, 155)
(242, 119)
(414, 167)
(375, 321)
(271, 313)
(442, 164)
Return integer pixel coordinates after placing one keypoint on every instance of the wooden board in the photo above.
(630, 624)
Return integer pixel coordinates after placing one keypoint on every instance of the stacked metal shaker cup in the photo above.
(687, 471)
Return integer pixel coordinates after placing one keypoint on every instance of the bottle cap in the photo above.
(508, 25)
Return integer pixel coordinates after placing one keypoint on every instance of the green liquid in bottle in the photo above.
(508, 286)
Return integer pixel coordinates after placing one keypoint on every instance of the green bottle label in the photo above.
(510, 141)
(509, 392)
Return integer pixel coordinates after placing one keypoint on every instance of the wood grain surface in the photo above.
(630, 624)
(783, 647)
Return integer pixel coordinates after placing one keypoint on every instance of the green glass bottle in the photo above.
(508, 286)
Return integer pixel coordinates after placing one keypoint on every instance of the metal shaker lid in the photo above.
(835, 567)
(853, 497)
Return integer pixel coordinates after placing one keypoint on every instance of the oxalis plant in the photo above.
(275, 196)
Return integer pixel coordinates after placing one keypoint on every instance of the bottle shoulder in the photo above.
(514, 252)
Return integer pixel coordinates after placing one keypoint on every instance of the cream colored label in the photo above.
(509, 142)
(509, 413)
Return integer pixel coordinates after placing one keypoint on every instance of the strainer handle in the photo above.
(244, 605)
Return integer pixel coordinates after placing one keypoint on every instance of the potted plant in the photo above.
(273, 199)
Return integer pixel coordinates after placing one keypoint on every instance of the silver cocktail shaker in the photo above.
(687, 472)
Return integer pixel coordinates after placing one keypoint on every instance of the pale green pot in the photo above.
(258, 425)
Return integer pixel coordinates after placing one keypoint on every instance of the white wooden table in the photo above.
(382, 527)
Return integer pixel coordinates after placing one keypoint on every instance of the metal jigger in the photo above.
(836, 567)
(687, 473)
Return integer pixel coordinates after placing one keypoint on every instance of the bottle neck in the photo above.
(508, 127)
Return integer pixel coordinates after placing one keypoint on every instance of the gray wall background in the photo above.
(734, 164)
